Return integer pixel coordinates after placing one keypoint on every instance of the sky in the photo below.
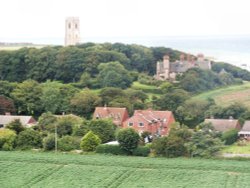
(45, 19)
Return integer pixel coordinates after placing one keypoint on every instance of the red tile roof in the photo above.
(118, 115)
(151, 121)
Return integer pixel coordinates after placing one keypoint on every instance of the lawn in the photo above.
(235, 149)
(229, 95)
(27, 169)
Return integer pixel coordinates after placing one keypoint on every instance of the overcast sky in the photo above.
(130, 18)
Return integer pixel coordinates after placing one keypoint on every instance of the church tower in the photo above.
(72, 31)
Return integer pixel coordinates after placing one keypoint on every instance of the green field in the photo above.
(229, 95)
(27, 169)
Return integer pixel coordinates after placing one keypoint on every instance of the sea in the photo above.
(231, 49)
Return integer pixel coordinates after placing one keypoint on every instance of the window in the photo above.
(141, 124)
(1, 125)
(76, 26)
(69, 25)
(130, 124)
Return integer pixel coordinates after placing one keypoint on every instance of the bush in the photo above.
(111, 149)
(172, 146)
(49, 142)
(104, 129)
(229, 137)
(90, 141)
(128, 139)
(29, 138)
(141, 151)
(7, 139)
(16, 126)
(68, 143)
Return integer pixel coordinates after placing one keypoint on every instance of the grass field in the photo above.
(229, 95)
(235, 149)
(26, 169)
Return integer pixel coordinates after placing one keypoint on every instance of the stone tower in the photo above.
(72, 31)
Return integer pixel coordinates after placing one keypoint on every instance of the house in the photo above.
(224, 125)
(155, 122)
(166, 70)
(26, 121)
(118, 115)
(245, 131)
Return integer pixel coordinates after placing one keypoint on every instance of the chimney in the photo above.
(200, 57)
(231, 118)
(105, 107)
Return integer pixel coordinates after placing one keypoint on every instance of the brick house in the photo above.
(155, 122)
(224, 125)
(118, 115)
(26, 121)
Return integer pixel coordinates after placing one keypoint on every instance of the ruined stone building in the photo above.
(166, 70)
(72, 31)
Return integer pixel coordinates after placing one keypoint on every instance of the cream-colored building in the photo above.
(72, 31)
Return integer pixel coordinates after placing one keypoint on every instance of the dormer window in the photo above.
(130, 124)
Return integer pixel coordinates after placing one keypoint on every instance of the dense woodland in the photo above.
(76, 79)
(56, 80)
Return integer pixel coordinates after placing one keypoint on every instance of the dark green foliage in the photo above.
(68, 143)
(196, 80)
(230, 137)
(235, 71)
(104, 129)
(81, 130)
(171, 101)
(7, 139)
(46, 122)
(128, 139)
(49, 142)
(66, 124)
(113, 74)
(173, 145)
(16, 126)
(27, 97)
(191, 113)
(90, 141)
(205, 142)
(84, 103)
(234, 110)
(29, 138)
(142, 151)
(111, 149)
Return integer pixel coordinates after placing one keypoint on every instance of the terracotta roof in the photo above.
(151, 115)
(118, 115)
(246, 126)
(25, 120)
(223, 124)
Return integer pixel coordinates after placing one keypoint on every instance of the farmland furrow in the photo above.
(42, 176)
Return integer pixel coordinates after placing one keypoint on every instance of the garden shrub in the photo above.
(141, 151)
(68, 143)
(111, 149)
(49, 142)
(16, 126)
(128, 139)
(7, 139)
(29, 138)
(90, 141)
(229, 137)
